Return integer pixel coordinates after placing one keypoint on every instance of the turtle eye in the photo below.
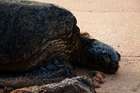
(106, 59)
(107, 65)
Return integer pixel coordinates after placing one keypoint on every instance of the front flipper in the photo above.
(98, 78)
(54, 71)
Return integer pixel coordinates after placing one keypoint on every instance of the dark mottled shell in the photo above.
(31, 33)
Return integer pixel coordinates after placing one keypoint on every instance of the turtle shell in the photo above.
(31, 33)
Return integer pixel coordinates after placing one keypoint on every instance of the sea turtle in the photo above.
(40, 41)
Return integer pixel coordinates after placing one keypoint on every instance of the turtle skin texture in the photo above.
(43, 41)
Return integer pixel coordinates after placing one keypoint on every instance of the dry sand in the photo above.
(116, 22)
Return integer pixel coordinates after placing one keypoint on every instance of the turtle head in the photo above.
(103, 57)
(99, 56)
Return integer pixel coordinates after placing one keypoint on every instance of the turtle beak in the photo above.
(119, 56)
(114, 65)
(116, 57)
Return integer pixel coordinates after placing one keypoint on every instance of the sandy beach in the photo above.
(117, 23)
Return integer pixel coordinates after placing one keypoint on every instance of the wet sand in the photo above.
(116, 22)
